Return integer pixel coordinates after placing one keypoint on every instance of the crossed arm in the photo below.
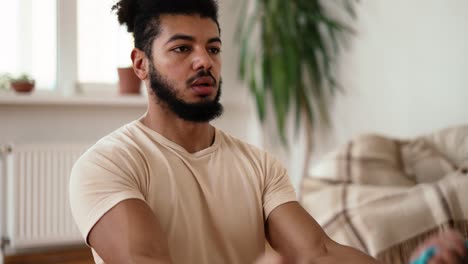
(130, 233)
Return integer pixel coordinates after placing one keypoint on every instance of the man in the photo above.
(171, 188)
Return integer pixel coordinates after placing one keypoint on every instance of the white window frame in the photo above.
(67, 47)
(67, 55)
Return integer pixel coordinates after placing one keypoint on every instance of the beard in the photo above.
(167, 95)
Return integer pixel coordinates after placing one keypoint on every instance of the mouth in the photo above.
(204, 86)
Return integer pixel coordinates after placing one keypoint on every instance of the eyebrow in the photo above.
(215, 39)
(190, 38)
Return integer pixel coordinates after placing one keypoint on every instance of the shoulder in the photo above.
(114, 144)
(118, 151)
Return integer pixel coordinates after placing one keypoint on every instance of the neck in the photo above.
(192, 136)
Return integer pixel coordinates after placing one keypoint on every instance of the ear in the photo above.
(140, 63)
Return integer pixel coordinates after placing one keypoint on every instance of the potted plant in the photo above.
(129, 83)
(21, 84)
(287, 53)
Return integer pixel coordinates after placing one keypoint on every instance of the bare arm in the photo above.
(299, 239)
(130, 233)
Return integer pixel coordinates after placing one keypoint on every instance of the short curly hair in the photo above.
(142, 16)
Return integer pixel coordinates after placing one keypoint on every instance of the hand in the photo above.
(270, 258)
(450, 248)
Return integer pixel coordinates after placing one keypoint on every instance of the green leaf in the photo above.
(260, 99)
(245, 36)
(278, 88)
(334, 40)
(308, 110)
(243, 59)
(349, 7)
(240, 23)
(312, 65)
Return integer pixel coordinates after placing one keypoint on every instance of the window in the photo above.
(103, 45)
(29, 40)
(63, 43)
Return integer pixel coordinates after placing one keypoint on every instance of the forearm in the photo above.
(343, 254)
(333, 253)
(295, 235)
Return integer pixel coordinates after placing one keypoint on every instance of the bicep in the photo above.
(129, 231)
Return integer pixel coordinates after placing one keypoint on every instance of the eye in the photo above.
(214, 50)
(181, 49)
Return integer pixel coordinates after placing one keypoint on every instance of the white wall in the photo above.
(405, 72)
(407, 69)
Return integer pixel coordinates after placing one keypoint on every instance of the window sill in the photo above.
(53, 99)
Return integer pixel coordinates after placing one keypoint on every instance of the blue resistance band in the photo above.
(428, 254)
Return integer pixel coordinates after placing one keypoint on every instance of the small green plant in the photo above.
(23, 78)
(6, 79)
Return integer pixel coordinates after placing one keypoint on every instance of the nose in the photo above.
(202, 60)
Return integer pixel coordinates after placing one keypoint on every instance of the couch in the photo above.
(385, 195)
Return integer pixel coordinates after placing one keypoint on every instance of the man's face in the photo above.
(186, 65)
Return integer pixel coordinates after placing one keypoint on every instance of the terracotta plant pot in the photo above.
(129, 83)
(22, 86)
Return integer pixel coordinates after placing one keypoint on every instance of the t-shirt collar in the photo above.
(168, 143)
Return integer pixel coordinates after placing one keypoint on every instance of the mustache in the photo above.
(199, 74)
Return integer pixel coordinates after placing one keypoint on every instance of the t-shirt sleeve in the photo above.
(99, 180)
(278, 188)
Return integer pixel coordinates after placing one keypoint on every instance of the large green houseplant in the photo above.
(287, 52)
(290, 55)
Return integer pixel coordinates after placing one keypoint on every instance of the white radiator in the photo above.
(36, 202)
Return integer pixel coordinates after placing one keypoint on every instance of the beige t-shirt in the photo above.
(212, 204)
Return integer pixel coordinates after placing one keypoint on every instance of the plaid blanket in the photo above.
(385, 196)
